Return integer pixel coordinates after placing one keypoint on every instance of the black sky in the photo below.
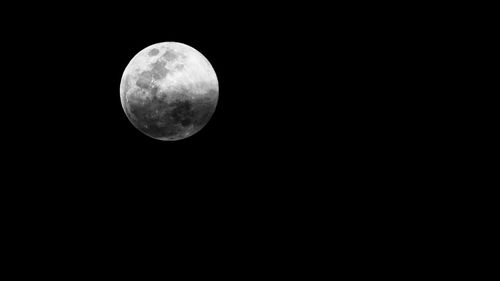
(293, 103)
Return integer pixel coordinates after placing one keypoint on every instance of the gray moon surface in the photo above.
(169, 91)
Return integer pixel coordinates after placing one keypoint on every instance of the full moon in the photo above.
(169, 91)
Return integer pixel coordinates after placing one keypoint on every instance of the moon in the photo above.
(169, 91)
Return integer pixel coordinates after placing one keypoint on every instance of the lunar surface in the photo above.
(169, 91)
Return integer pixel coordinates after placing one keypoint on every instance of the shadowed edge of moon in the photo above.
(200, 112)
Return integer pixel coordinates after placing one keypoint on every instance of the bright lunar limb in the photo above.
(169, 91)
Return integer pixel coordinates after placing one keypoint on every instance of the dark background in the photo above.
(306, 99)
(261, 60)
(261, 142)
(75, 162)
(310, 96)
(325, 120)
(313, 100)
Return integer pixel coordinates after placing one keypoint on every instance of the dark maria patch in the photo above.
(153, 52)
